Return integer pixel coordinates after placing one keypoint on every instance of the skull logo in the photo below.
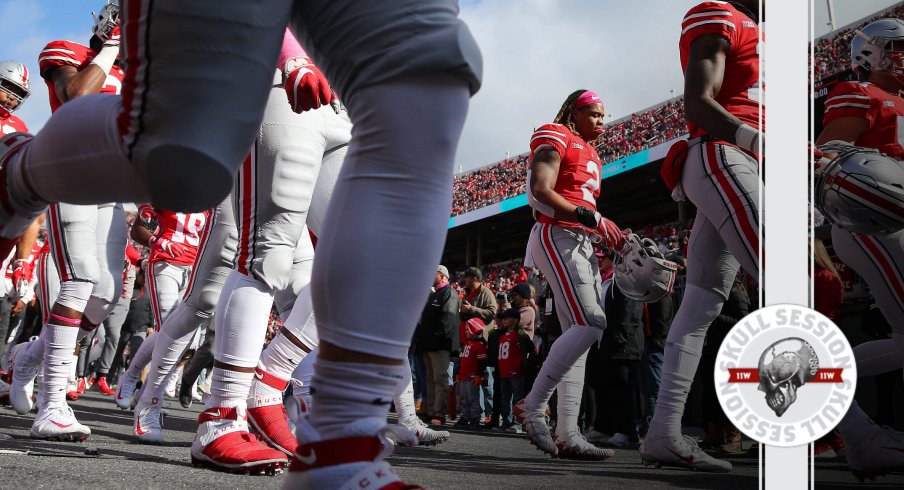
(784, 367)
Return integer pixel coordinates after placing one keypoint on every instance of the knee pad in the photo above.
(275, 245)
(75, 294)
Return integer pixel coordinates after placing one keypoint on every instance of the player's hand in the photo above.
(608, 231)
(17, 308)
(22, 274)
(146, 212)
(306, 86)
(113, 38)
(168, 247)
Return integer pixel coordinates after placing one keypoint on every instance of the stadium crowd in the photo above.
(832, 53)
(494, 183)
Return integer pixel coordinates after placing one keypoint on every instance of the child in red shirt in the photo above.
(471, 373)
(515, 352)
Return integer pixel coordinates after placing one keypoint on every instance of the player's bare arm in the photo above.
(544, 171)
(141, 234)
(847, 129)
(69, 83)
(702, 83)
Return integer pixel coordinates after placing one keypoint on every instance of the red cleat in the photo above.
(271, 424)
(103, 387)
(224, 444)
(81, 386)
(72, 390)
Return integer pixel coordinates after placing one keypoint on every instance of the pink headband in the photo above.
(587, 98)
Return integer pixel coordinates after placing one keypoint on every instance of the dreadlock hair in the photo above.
(564, 115)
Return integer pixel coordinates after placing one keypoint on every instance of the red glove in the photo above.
(167, 246)
(610, 233)
(146, 212)
(306, 86)
(22, 274)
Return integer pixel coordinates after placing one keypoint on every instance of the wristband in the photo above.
(77, 321)
(105, 58)
(748, 138)
(586, 217)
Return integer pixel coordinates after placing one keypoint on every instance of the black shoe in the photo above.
(185, 395)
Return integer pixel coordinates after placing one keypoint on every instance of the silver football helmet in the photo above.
(861, 190)
(106, 20)
(14, 83)
(641, 271)
(871, 47)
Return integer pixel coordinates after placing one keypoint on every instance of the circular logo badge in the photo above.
(785, 375)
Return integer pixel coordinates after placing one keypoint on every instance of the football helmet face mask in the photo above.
(879, 46)
(106, 20)
(641, 271)
(14, 82)
(861, 190)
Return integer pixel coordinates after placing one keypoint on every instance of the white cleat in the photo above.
(574, 446)
(148, 426)
(125, 390)
(682, 452)
(425, 435)
(878, 453)
(57, 422)
(534, 424)
(24, 371)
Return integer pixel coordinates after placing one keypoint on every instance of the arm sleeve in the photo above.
(848, 99)
(709, 18)
(553, 136)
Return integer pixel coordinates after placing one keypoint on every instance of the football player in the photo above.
(87, 242)
(868, 114)
(14, 89)
(174, 247)
(406, 73)
(563, 186)
(719, 173)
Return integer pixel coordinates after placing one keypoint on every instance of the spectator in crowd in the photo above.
(523, 301)
(471, 374)
(138, 324)
(478, 302)
(720, 433)
(515, 352)
(658, 318)
(620, 352)
(434, 338)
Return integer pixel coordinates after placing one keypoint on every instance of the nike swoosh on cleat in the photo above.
(259, 375)
(62, 426)
(687, 459)
(309, 459)
(138, 429)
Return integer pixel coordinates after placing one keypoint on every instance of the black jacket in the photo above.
(438, 329)
(660, 315)
(624, 335)
(139, 318)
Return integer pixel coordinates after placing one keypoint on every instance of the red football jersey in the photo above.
(181, 228)
(882, 110)
(510, 356)
(470, 358)
(12, 124)
(741, 89)
(579, 171)
(68, 53)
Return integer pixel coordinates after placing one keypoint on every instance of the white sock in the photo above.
(571, 390)
(59, 343)
(682, 355)
(35, 351)
(143, 357)
(404, 404)
(242, 315)
(345, 392)
(564, 353)
(166, 354)
(281, 357)
(302, 376)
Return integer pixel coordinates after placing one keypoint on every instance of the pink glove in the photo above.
(306, 86)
